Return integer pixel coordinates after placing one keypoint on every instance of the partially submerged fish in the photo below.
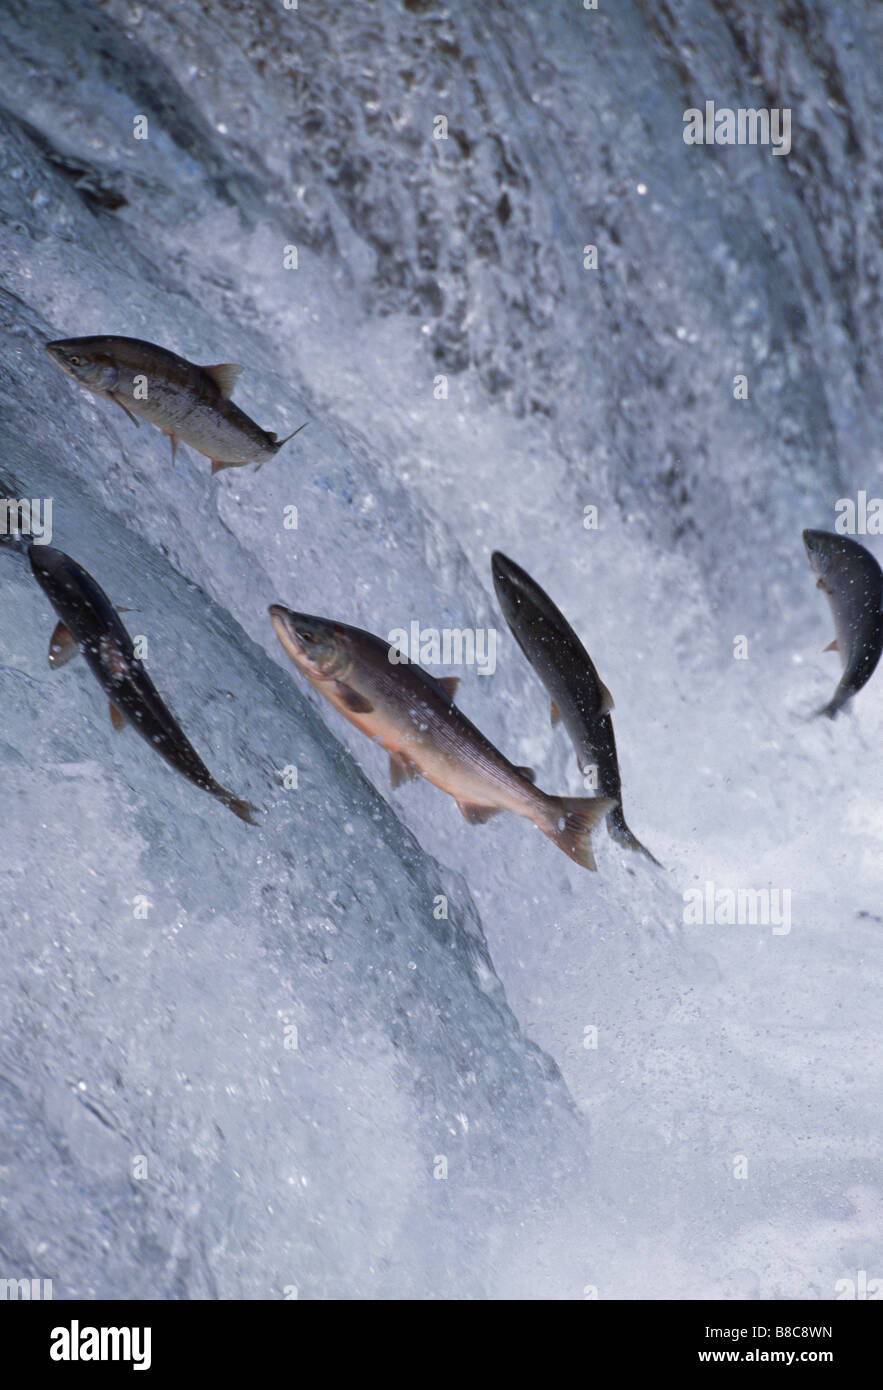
(852, 582)
(188, 403)
(579, 696)
(89, 623)
(413, 715)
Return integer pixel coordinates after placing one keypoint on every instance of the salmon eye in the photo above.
(74, 361)
(306, 637)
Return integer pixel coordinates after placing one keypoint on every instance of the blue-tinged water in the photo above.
(621, 1101)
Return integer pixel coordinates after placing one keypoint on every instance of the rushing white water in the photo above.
(719, 1133)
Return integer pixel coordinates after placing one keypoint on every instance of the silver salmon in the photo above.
(579, 697)
(89, 624)
(414, 717)
(852, 582)
(188, 403)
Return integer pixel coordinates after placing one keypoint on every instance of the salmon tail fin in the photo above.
(571, 822)
(621, 833)
(832, 708)
(243, 809)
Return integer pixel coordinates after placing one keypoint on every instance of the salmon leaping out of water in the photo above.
(414, 717)
(188, 403)
(89, 623)
(579, 696)
(852, 582)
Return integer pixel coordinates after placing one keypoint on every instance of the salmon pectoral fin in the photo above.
(225, 376)
(352, 699)
(117, 720)
(401, 769)
(173, 440)
(555, 713)
(832, 646)
(477, 815)
(219, 464)
(62, 646)
(573, 820)
(527, 772)
(125, 409)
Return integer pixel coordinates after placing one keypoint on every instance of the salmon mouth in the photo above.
(97, 371)
(311, 642)
(816, 544)
(503, 570)
(507, 585)
(57, 353)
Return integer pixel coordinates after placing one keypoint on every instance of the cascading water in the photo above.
(234, 1062)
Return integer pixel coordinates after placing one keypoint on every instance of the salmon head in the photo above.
(319, 648)
(87, 361)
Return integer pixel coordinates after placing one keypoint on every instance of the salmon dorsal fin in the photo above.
(832, 646)
(527, 772)
(477, 815)
(606, 698)
(555, 713)
(401, 769)
(225, 376)
(448, 684)
(62, 646)
(352, 699)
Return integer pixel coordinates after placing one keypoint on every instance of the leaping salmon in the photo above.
(413, 715)
(188, 403)
(852, 582)
(89, 623)
(579, 696)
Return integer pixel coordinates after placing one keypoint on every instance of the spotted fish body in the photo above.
(414, 717)
(190, 404)
(90, 624)
(852, 582)
(579, 696)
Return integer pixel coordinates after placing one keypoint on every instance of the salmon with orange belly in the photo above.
(188, 403)
(413, 715)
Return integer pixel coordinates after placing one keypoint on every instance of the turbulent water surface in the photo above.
(236, 1062)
